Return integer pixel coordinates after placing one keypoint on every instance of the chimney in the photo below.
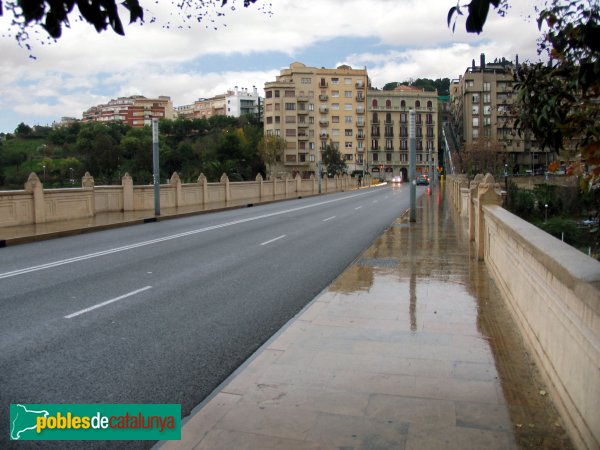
(473, 64)
(482, 61)
(517, 60)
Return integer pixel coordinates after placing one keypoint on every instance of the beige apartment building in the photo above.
(311, 107)
(234, 103)
(481, 102)
(388, 131)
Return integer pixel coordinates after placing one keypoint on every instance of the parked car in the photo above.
(397, 179)
(422, 180)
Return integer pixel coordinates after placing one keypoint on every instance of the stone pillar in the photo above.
(314, 183)
(285, 185)
(203, 182)
(176, 183)
(487, 194)
(87, 183)
(35, 186)
(127, 184)
(472, 204)
(225, 180)
(298, 184)
(259, 180)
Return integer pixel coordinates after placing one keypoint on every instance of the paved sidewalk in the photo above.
(410, 348)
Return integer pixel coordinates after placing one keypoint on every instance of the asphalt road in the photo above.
(164, 312)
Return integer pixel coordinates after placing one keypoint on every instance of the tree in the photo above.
(333, 159)
(270, 149)
(53, 16)
(478, 11)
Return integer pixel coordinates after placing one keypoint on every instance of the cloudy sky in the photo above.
(394, 39)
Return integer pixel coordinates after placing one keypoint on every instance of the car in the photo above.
(397, 179)
(422, 181)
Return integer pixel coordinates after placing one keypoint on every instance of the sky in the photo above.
(395, 40)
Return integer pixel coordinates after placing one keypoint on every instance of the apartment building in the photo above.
(388, 131)
(311, 107)
(481, 102)
(136, 110)
(234, 103)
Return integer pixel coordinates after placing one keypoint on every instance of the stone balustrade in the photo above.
(35, 204)
(553, 291)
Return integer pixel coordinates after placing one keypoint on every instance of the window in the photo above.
(290, 119)
(347, 80)
(335, 119)
(388, 157)
(487, 121)
(475, 121)
(375, 118)
(277, 132)
(290, 158)
(348, 157)
(305, 80)
(348, 144)
(389, 144)
(347, 119)
(311, 145)
(402, 117)
(388, 118)
(290, 132)
(486, 86)
(268, 94)
(417, 104)
(277, 107)
(475, 133)
(419, 158)
(403, 144)
(374, 144)
(335, 132)
(470, 83)
(302, 157)
(289, 93)
(487, 110)
(388, 103)
(335, 81)
(429, 145)
(335, 93)
(403, 104)
(475, 110)
(487, 98)
(311, 120)
(429, 131)
(269, 119)
(277, 119)
(348, 106)
(311, 106)
(348, 132)
(348, 94)
(429, 104)
(475, 98)
(335, 106)
(375, 157)
(403, 157)
(290, 106)
(311, 158)
(374, 103)
(359, 146)
(276, 93)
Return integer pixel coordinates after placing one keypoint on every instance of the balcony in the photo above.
(323, 84)
(360, 110)
(303, 137)
(323, 122)
(323, 98)
(360, 85)
(388, 134)
(302, 98)
(360, 123)
(360, 98)
(302, 125)
(302, 111)
(323, 135)
(360, 136)
(375, 121)
(323, 109)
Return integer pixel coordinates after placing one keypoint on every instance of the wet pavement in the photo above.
(410, 348)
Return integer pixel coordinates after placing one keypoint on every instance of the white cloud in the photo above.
(84, 68)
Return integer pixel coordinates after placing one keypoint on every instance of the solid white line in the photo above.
(273, 240)
(168, 238)
(358, 207)
(329, 218)
(107, 302)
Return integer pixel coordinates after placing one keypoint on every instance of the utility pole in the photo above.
(155, 166)
(412, 144)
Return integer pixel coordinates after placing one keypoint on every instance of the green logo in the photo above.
(95, 422)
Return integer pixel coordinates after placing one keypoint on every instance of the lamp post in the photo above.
(44, 167)
(546, 218)
(72, 179)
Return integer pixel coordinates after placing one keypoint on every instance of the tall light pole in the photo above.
(412, 144)
(72, 178)
(155, 166)
(44, 167)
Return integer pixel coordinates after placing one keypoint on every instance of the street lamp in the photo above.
(546, 207)
(44, 167)
(72, 179)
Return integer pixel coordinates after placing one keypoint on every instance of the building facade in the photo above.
(234, 103)
(482, 120)
(313, 107)
(136, 111)
(388, 115)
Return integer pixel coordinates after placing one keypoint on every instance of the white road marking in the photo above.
(374, 201)
(329, 218)
(107, 302)
(358, 207)
(62, 262)
(273, 240)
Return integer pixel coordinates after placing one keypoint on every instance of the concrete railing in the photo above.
(35, 204)
(553, 291)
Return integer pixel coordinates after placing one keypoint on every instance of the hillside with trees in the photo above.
(60, 156)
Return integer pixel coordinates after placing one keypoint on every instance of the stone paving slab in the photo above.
(395, 354)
